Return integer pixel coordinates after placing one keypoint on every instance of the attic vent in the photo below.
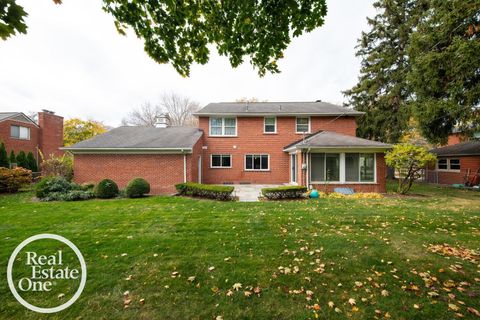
(318, 100)
(162, 121)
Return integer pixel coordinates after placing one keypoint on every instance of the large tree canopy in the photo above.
(182, 32)
(445, 68)
(382, 90)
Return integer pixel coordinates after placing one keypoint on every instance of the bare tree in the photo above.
(179, 108)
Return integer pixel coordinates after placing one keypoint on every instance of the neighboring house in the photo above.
(20, 133)
(455, 163)
(300, 143)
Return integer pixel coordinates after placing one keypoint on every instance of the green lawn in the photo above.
(372, 250)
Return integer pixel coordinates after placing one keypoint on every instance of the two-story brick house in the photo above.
(303, 143)
(20, 133)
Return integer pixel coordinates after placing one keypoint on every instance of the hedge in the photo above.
(106, 189)
(59, 189)
(11, 180)
(284, 192)
(137, 187)
(205, 190)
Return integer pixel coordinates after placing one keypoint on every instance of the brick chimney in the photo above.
(51, 133)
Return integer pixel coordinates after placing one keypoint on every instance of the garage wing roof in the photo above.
(141, 138)
(469, 148)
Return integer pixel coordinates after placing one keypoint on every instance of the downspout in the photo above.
(184, 167)
(307, 173)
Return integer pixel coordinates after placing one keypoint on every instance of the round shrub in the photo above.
(106, 189)
(137, 188)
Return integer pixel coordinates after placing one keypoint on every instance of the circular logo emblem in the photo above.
(36, 262)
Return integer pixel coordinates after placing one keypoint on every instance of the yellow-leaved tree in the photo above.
(76, 130)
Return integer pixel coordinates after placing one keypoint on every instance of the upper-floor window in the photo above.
(223, 126)
(270, 125)
(302, 125)
(448, 164)
(19, 132)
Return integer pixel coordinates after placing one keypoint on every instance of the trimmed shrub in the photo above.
(58, 166)
(106, 189)
(22, 160)
(137, 188)
(4, 161)
(13, 158)
(284, 192)
(205, 190)
(11, 180)
(32, 162)
(50, 185)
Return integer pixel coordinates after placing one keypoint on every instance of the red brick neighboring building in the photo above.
(456, 164)
(300, 143)
(20, 133)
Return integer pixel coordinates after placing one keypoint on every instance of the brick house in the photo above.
(456, 163)
(300, 143)
(20, 133)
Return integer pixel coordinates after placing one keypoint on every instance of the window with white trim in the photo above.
(257, 162)
(448, 164)
(223, 126)
(359, 167)
(19, 132)
(269, 125)
(221, 161)
(325, 166)
(302, 125)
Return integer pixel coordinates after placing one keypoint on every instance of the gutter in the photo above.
(338, 147)
(263, 114)
(129, 150)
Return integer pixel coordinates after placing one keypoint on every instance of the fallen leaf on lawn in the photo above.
(473, 311)
(385, 293)
(337, 310)
(352, 301)
(331, 304)
(453, 307)
(126, 293)
(358, 284)
(433, 294)
(175, 274)
(257, 290)
(215, 289)
(355, 309)
(218, 318)
(211, 268)
(191, 278)
(142, 301)
(416, 306)
(247, 293)
(126, 302)
(229, 293)
(61, 295)
(237, 286)
(316, 307)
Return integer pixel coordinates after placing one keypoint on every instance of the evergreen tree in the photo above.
(22, 160)
(445, 68)
(13, 158)
(32, 162)
(382, 89)
(3, 156)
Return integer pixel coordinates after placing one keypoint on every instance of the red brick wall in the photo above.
(449, 177)
(18, 145)
(161, 171)
(251, 139)
(51, 133)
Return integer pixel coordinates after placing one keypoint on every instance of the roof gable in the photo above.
(16, 116)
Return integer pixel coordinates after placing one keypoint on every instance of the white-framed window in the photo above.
(342, 167)
(270, 125)
(448, 164)
(223, 126)
(221, 161)
(19, 132)
(302, 125)
(257, 162)
(359, 167)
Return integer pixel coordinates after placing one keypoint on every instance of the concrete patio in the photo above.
(250, 192)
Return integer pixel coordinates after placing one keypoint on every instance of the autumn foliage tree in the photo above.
(76, 130)
(409, 160)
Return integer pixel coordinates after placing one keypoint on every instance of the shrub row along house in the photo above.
(19, 133)
(298, 143)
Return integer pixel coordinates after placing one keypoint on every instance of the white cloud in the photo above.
(74, 62)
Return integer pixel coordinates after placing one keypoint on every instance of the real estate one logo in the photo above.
(42, 272)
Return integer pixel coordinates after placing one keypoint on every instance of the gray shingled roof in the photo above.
(459, 149)
(328, 139)
(141, 138)
(5, 115)
(276, 108)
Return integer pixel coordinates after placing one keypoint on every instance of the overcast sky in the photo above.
(74, 62)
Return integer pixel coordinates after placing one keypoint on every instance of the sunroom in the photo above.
(330, 159)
